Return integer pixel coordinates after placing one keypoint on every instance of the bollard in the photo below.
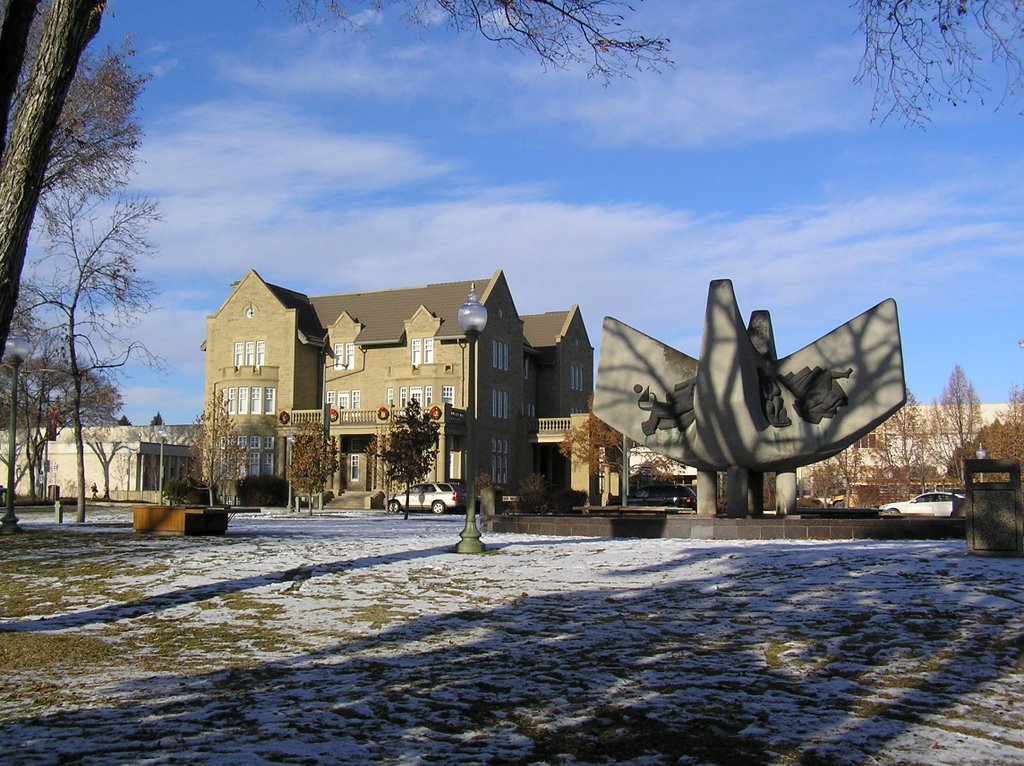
(58, 512)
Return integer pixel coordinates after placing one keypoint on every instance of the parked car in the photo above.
(667, 495)
(928, 504)
(443, 497)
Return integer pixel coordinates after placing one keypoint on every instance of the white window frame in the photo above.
(269, 394)
(243, 400)
(356, 399)
(416, 392)
(232, 393)
(268, 442)
(353, 467)
(428, 351)
(239, 354)
(250, 353)
(448, 395)
(416, 352)
(256, 400)
(499, 355)
(390, 397)
(343, 400)
(499, 403)
(428, 396)
(403, 396)
(261, 353)
(350, 355)
(339, 356)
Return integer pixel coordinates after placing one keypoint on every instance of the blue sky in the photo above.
(333, 161)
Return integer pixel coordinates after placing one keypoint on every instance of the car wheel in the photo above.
(438, 506)
(394, 507)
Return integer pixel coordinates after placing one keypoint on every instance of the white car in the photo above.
(928, 504)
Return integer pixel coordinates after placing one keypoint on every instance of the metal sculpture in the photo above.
(740, 408)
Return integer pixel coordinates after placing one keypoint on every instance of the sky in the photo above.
(334, 160)
(362, 639)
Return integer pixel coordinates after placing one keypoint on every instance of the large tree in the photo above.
(89, 287)
(919, 52)
(954, 425)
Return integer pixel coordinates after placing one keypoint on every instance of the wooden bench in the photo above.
(185, 520)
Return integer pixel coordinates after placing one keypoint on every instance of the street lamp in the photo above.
(472, 321)
(162, 435)
(16, 352)
(288, 442)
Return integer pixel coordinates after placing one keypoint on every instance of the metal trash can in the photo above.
(992, 508)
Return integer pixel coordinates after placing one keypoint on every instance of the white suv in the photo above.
(436, 498)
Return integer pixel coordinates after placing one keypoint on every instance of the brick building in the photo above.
(281, 358)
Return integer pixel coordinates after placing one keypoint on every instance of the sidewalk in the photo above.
(362, 639)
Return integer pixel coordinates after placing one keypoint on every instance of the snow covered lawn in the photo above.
(362, 639)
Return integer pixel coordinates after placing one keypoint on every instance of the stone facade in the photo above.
(282, 358)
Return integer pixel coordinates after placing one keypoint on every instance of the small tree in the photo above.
(411, 447)
(314, 459)
(595, 444)
(1004, 438)
(215, 456)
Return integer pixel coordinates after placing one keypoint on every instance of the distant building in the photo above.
(281, 358)
(123, 461)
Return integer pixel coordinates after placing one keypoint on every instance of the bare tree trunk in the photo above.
(69, 27)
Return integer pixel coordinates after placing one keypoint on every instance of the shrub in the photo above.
(566, 500)
(178, 492)
(262, 490)
(533, 495)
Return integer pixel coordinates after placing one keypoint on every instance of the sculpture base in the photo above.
(670, 525)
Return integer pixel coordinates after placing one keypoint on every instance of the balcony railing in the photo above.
(447, 415)
(553, 426)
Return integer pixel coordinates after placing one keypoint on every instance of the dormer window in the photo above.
(344, 356)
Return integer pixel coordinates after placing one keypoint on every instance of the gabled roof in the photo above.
(383, 313)
(544, 330)
(306, 318)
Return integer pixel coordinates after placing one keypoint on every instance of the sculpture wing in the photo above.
(738, 408)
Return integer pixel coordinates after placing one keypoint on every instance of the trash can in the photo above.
(992, 508)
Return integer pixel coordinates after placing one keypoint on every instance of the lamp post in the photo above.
(472, 321)
(16, 352)
(162, 435)
(288, 442)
